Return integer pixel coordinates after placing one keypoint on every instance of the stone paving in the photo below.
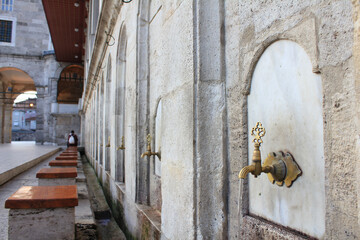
(83, 214)
(17, 157)
(27, 178)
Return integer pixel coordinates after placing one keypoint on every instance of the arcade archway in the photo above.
(13, 82)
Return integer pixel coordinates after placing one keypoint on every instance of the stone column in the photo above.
(210, 123)
(40, 104)
(52, 98)
(143, 167)
(6, 122)
(82, 127)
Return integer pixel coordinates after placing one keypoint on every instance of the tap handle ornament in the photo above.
(258, 132)
(122, 146)
(148, 138)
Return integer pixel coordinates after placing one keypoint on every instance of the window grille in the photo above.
(7, 5)
(5, 30)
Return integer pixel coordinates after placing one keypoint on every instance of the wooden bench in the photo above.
(69, 154)
(56, 176)
(42, 212)
(63, 163)
(66, 158)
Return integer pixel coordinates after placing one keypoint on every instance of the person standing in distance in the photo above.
(72, 139)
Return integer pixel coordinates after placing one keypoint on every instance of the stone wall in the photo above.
(23, 135)
(32, 39)
(325, 30)
(198, 58)
(62, 126)
(32, 33)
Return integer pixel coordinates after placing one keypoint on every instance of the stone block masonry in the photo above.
(42, 212)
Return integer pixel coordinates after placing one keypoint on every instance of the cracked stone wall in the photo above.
(198, 57)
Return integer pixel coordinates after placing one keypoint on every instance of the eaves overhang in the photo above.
(66, 21)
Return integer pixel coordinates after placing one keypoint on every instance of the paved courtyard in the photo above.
(16, 154)
(13, 156)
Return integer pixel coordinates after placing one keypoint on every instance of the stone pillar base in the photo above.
(56, 181)
(42, 223)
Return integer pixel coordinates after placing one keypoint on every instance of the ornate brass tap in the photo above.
(122, 146)
(255, 168)
(108, 144)
(149, 152)
(280, 167)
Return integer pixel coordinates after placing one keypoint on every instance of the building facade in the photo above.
(28, 63)
(197, 76)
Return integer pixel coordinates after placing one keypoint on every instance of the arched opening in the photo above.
(107, 115)
(98, 123)
(120, 106)
(13, 83)
(286, 96)
(24, 117)
(70, 85)
(101, 120)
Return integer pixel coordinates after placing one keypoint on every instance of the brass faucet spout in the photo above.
(149, 152)
(248, 169)
(145, 154)
(122, 146)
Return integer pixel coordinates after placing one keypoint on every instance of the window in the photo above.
(7, 5)
(5, 31)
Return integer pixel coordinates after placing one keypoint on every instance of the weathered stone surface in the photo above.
(198, 58)
(51, 223)
(56, 181)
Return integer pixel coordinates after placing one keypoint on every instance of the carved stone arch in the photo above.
(13, 82)
(59, 69)
(286, 96)
(108, 71)
(157, 128)
(305, 28)
(107, 117)
(25, 67)
(101, 118)
(17, 80)
(119, 100)
(122, 43)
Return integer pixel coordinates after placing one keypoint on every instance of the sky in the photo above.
(25, 96)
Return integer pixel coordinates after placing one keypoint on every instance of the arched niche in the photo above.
(158, 127)
(286, 96)
(120, 104)
(108, 114)
(101, 120)
(70, 84)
